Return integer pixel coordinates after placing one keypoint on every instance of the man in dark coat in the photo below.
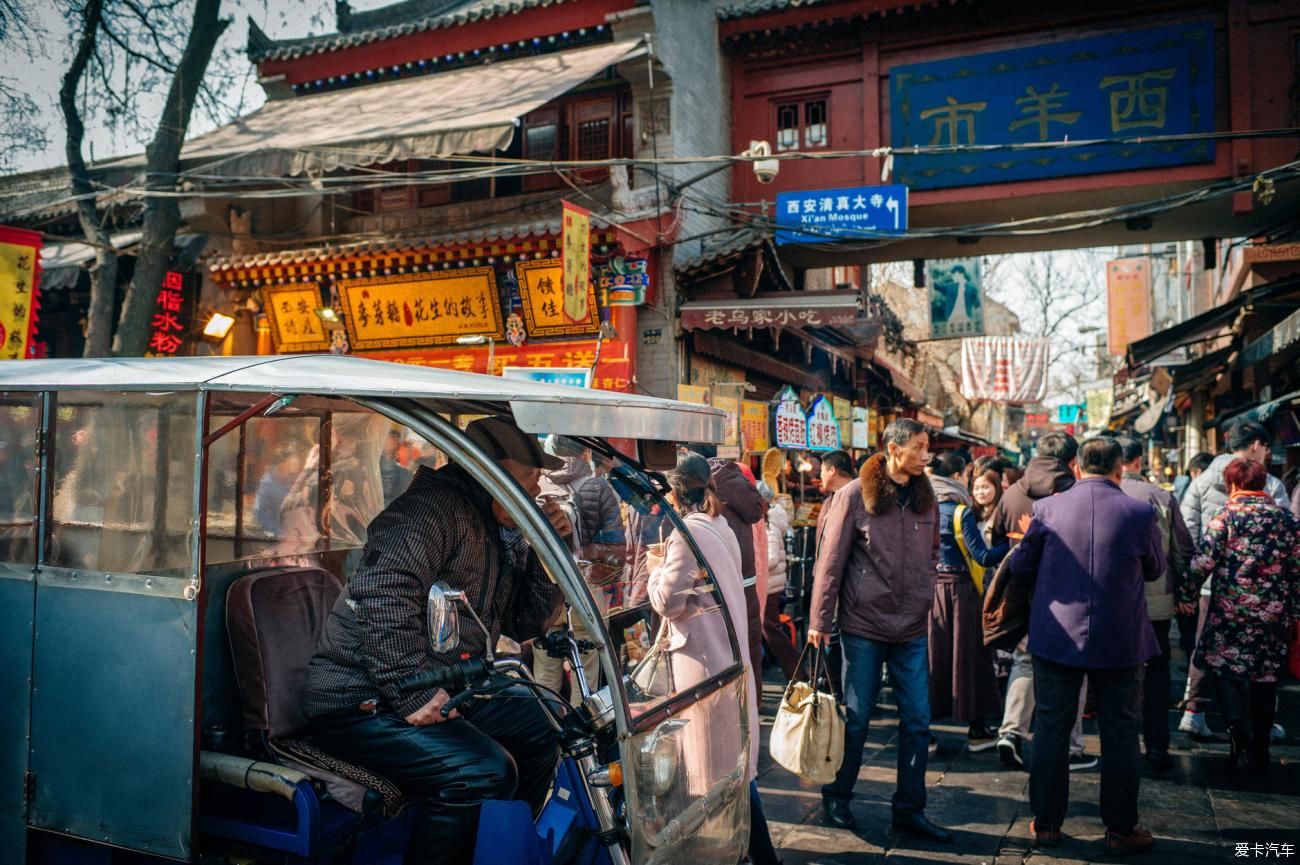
(1051, 471)
(876, 570)
(1089, 553)
(744, 508)
(1160, 596)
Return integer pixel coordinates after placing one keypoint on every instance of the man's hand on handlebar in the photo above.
(431, 712)
(820, 639)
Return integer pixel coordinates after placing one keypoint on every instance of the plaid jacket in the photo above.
(440, 529)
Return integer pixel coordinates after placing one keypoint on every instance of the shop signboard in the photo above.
(861, 434)
(566, 375)
(173, 308)
(754, 426)
(694, 393)
(1037, 420)
(295, 326)
(546, 313)
(956, 298)
(844, 417)
(20, 274)
(823, 429)
(730, 404)
(575, 256)
(791, 422)
(624, 280)
(1119, 87)
(828, 215)
(819, 310)
(1128, 303)
(422, 309)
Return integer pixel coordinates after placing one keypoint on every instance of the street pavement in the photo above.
(1198, 811)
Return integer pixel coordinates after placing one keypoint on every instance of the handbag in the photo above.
(652, 677)
(808, 733)
(1006, 608)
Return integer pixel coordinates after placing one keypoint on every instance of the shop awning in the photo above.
(901, 381)
(786, 310)
(472, 110)
(732, 352)
(1199, 327)
(1202, 371)
(62, 263)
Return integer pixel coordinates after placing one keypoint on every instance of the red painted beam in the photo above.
(806, 16)
(539, 21)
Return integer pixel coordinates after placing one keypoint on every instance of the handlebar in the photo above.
(450, 678)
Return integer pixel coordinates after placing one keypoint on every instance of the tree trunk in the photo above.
(162, 214)
(103, 277)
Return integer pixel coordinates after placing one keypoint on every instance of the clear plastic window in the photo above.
(273, 490)
(123, 482)
(19, 421)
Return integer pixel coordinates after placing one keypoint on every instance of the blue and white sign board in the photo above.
(572, 376)
(823, 428)
(828, 215)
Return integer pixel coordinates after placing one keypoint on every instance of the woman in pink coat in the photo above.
(696, 636)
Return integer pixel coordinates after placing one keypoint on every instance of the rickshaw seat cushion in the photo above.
(274, 619)
(346, 783)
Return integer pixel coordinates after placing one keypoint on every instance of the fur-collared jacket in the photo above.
(877, 557)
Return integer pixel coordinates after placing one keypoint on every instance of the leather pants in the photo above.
(503, 748)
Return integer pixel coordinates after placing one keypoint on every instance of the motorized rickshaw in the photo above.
(171, 531)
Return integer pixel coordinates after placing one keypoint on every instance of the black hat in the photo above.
(505, 441)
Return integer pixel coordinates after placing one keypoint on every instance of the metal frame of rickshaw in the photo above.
(443, 434)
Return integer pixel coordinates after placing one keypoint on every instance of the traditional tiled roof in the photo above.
(757, 7)
(399, 19)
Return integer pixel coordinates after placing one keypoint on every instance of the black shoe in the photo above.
(836, 814)
(1009, 749)
(916, 824)
(1160, 759)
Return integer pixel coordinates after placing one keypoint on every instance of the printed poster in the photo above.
(956, 298)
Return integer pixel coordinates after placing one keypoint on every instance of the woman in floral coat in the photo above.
(1251, 553)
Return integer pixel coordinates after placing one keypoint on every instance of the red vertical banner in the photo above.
(1128, 302)
(20, 278)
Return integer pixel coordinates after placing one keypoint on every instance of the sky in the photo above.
(40, 75)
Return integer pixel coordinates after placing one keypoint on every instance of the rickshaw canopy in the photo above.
(537, 408)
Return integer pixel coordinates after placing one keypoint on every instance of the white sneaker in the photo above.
(1194, 723)
(1278, 733)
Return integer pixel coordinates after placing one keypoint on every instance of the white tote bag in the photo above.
(808, 734)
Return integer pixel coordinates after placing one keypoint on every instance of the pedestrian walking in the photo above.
(1250, 556)
(963, 684)
(1049, 472)
(876, 568)
(1206, 496)
(1160, 595)
(775, 636)
(1089, 552)
(742, 508)
(695, 628)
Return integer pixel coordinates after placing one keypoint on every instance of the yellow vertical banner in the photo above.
(20, 272)
(576, 255)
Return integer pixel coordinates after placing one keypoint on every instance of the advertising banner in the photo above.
(694, 393)
(844, 417)
(294, 323)
(174, 308)
(823, 429)
(1010, 369)
(827, 215)
(1100, 403)
(754, 425)
(729, 403)
(422, 308)
(861, 428)
(956, 298)
(1128, 303)
(1155, 81)
(571, 376)
(576, 258)
(545, 312)
(791, 422)
(20, 274)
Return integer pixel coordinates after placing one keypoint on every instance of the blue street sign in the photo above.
(828, 215)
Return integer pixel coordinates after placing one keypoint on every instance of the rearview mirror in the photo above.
(444, 618)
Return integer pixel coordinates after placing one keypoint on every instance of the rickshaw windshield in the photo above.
(660, 599)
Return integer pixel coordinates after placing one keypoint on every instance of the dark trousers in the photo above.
(1248, 707)
(761, 851)
(777, 637)
(1056, 694)
(909, 676)
(753, 616)
(1155, 695)
(503, 749)
(1197, 694)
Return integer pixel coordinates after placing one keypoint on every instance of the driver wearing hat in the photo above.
(444, 528)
